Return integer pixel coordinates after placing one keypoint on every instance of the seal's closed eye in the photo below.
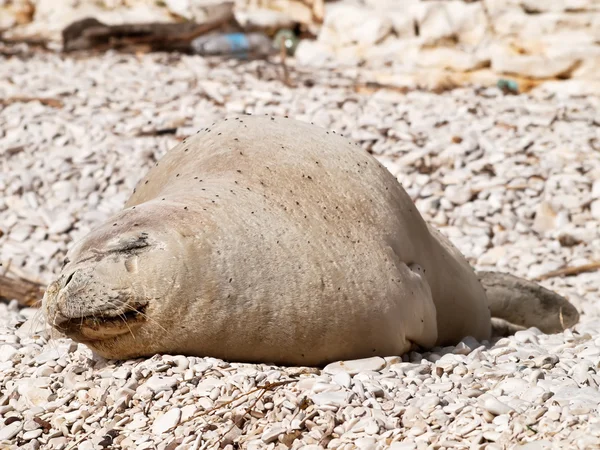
(129, 244)
(120, 247)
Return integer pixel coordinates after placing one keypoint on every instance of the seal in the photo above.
(272, 240)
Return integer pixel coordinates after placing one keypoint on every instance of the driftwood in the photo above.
(570, 271)
(90, 33)
(26, 292)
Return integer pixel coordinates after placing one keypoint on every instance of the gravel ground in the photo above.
(512, 180)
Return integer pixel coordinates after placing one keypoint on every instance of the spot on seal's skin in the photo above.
(224, 256)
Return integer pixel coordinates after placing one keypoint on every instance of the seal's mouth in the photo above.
(102, 326)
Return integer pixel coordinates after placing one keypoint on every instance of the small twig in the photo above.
(78, 441)
(266, 386)
(30, 41)
(247, 411)
(52, 102)
(568, 271)
(370, 87)
(282, 56)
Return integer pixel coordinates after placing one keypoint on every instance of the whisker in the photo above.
(52, 339)
(132, 308)
(146, 316)
(127, 325)
(36, 316)
(54, 318)
(40, 317)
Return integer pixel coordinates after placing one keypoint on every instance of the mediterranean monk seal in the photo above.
(272, 240)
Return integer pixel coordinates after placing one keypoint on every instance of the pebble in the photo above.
(541, 444)
(7, 352)
(182, 362)
(159, 383)
(30, 425)
(49, 355)
(495, 406)
(356, 366)
(32, 434)
(343, 379)
(188, 411)
(167, 421)
(514, 386)
(122, 373)
(403, 446)
(441, 387)
(271, 434)
(61, 225)
(334, 398)
(595, 209)
(466, 346)
(35, 396)
(8, 432)
(58, 442)
(365, 443)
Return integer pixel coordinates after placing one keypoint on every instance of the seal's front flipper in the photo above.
(502, 328)
(527, 304)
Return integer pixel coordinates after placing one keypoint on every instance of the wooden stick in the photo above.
(52, 102)
(570, 270)
(26, 292)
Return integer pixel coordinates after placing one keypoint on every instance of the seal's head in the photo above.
(111, 292)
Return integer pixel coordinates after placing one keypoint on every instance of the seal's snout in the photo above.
(101, 296)
(62, 322)
(56, 303)
(85, 305)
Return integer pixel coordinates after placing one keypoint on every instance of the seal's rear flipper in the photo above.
(527, 304)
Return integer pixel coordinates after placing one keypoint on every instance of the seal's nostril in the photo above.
(69, 278)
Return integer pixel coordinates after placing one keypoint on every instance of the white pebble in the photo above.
(7, 352)
(167, 421)
(356, 366)
(8, 432)
(495, 406)
(270, 434)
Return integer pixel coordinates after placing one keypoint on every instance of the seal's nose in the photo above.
(68, 279)
(54, 298)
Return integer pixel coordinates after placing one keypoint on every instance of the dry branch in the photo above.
(569, 271)
(52, 102)
(26, 292)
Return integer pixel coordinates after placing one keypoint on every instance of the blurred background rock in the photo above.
(431, 44)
